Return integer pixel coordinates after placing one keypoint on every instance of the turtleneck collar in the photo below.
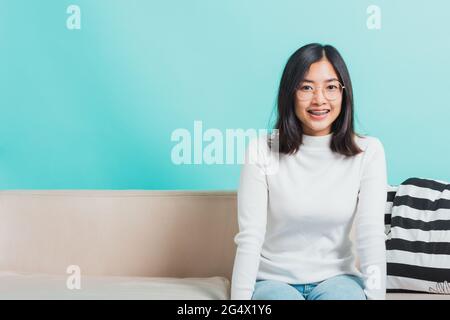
(317, 142)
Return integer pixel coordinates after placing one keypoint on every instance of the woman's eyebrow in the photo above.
(329, 80)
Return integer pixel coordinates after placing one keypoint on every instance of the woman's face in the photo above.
(320, 78)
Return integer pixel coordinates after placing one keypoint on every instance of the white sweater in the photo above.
(295, 217)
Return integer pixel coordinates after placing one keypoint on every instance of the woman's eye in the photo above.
(306, 88)
(332, 87)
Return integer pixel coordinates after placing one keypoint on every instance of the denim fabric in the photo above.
(341, 287)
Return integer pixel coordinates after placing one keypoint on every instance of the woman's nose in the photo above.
(318, 97)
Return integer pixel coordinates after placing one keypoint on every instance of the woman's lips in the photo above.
(321, 117)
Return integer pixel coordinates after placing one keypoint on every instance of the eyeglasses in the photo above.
(331, 91)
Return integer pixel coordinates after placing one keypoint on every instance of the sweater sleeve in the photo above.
(370, 236)
(252, 218)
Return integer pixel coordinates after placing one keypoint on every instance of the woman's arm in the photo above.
(370, 236)
(252, 218)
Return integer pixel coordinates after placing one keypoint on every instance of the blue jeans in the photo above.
(342, 287)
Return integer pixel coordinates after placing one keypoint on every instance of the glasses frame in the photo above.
(323, 92)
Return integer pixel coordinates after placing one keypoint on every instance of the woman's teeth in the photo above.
(319, 113)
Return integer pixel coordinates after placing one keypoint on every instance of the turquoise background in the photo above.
(95, 108)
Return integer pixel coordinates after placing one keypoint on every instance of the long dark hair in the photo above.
(289, 126)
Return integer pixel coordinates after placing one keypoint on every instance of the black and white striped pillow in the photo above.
(418, 246)
(391, 191)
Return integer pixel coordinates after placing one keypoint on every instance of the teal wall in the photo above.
(95, 108)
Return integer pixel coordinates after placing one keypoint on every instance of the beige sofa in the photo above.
(126, 244)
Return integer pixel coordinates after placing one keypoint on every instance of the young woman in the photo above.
(295, 222)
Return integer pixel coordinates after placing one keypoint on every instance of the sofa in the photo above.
(121, 244)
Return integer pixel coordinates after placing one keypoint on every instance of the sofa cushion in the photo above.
(27, 286)
(15, 285)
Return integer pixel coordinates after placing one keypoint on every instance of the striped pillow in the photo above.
(391, 190)
(418, 246)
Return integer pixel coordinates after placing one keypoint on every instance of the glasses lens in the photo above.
(332, 91)
(305, 92)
